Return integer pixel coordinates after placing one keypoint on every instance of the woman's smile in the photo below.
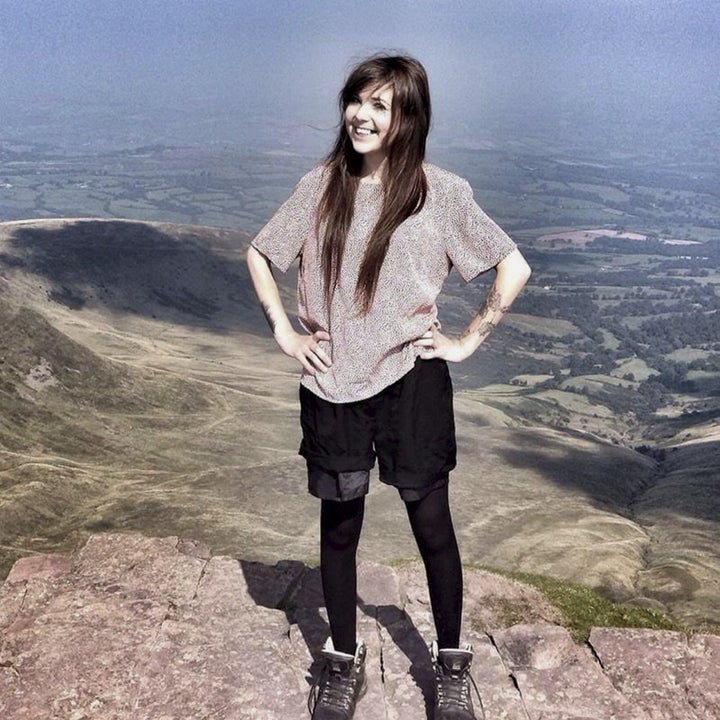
(368, 116)
(363, 132)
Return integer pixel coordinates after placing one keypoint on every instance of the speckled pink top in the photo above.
(370, 352)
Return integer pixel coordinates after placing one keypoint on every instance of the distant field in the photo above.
(549, 327)
(607, 193)
(583, 237)
(636, 367)
(688, 354)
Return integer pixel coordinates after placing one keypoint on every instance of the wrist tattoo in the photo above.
(491, 308)
(483, 330)
(268, 316)
(486, 327)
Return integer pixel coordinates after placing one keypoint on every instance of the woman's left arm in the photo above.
(511, 274)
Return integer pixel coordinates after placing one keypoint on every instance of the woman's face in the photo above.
(367, 121)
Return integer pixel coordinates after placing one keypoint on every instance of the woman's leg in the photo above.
(340, 526)
(432, 526)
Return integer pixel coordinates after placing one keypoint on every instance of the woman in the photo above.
(377, 231)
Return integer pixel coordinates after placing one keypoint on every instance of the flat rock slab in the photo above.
(156, 629)
(666, 672)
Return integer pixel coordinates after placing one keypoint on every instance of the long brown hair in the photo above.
(404, 182)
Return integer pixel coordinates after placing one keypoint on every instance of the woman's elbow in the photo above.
(524, 271)
(251, 255)
(516, 266)
(255, 259)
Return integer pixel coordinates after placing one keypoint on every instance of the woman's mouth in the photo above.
(363, 131)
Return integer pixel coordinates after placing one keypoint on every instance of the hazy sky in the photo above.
(494, 59)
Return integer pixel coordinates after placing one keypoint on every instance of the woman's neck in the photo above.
(373, 169)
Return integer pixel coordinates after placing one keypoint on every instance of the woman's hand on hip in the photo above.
(436, 345)
(305, 349)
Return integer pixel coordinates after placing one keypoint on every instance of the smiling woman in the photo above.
(377, 231)
(395, 156)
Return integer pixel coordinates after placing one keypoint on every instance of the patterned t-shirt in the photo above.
(370, 352)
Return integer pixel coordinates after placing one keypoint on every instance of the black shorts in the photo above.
(408, 426)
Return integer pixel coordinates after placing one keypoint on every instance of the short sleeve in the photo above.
(281, 240)
(473, 241)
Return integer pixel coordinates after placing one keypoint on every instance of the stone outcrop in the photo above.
(156, 629)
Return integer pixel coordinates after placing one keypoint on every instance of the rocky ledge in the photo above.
(156, 629)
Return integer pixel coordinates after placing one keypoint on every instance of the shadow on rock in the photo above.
(398, 662)
(295, 589)
(406, 637)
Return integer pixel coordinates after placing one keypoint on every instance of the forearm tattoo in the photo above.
(493, 303)
(491, 310)
(268, 316)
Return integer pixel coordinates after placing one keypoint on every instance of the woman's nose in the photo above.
(362, 112)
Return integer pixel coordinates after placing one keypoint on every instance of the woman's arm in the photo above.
(511, 274)
(304, 348)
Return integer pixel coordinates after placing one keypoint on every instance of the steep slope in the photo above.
(681, 508)
(115, 406)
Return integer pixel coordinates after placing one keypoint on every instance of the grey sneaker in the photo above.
(341, 684)
(452, 683)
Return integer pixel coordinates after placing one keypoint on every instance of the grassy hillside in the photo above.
(143, 392)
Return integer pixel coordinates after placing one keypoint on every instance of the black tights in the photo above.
(340, 525)
(431, 523)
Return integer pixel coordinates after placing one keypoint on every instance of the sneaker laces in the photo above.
(453, 691)
(332, 689)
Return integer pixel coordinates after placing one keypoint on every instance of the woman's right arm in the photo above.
(304, 348)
